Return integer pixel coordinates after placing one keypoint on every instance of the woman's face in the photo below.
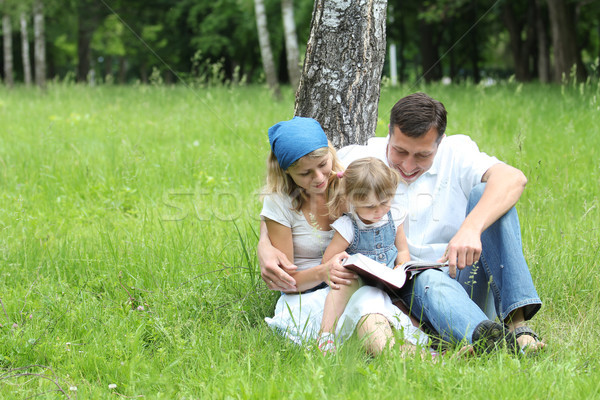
(312, 174)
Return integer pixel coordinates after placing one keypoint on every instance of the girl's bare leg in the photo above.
(335, 304)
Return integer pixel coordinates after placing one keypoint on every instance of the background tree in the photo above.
(265, 47)
(7, 43)
(215, 41)
(541, 23)
(25, 48)
(90, 14)
(520, 21)
(40, 43)
(291, 42)
(340, 80)
(564, 43)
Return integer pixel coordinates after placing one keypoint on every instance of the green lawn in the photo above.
(128, 220)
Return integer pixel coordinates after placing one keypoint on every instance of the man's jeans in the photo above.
(445, 303)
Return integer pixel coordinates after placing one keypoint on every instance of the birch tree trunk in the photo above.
(341, 77)
(39, 49)
(8, 50)
(265, 47)
(291, 42)
(25, 50)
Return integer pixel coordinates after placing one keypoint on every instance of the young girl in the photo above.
(371, 227)
(298, 224)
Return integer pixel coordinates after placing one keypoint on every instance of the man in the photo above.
(446, 179)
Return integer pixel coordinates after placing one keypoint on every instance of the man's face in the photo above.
(410, 156)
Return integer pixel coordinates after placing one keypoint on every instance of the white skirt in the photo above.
(298, 316)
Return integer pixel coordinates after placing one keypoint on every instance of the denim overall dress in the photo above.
(376, 243)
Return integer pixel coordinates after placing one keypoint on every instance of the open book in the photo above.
(374, 273)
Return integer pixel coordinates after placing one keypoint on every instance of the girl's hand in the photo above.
(336, 274)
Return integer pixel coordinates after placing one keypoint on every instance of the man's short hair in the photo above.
(416, 114)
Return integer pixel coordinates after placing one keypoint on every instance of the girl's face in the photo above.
(372, 210)
(312, 174)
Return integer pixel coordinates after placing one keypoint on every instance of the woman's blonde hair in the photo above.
(362, 178)
(279, 181)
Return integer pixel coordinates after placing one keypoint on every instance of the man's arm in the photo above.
(274, 264)
(504, 186)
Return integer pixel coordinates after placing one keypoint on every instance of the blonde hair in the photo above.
(279, 181)
(362, 178)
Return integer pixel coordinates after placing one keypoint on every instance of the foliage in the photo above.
(128, 219)
(132, 38)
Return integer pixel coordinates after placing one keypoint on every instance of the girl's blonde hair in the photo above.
(279, 181)
(362, 178)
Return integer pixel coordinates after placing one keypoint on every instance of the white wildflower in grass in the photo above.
(112, 386)
(73, 388)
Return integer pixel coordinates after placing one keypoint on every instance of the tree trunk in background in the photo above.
(8, 51)
(84, 39)
(542, 43)
(39, 49)
(522, 46)
(265, 47)
(564, 41)
(291, 42)
(122, 70)
(402, 67)
(25, 50)
(432, 70)
(474, 43)
(340, 80)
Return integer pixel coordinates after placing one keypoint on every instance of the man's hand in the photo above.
(464, 249)
(275, 268)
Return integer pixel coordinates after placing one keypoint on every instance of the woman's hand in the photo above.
(336, 274)
(275, 268)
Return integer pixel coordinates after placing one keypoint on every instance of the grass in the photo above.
(128, 220)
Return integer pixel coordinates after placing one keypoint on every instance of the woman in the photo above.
(298, 220)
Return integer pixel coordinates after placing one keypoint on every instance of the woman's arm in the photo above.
(281, 238)
(402, 246)
(275, 266)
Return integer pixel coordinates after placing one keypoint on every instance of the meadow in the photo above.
(128, 228)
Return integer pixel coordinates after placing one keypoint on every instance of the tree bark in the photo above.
(8, 51)
(122, 69)
(430, 60)
(474, 43)
(291, 42)
(265, 47)
(542, 44)
(25, 50)
(84, 39)
(39, 49)
(564, 41)
(341, 76)
(522, 46)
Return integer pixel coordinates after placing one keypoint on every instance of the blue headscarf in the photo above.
(293, 139)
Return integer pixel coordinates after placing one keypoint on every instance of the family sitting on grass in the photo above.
(419, 195)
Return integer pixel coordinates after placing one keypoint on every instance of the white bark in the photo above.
(40, 43)
(265, 47)
(25, 50)
(341, 77)
(8, 50)
(291, 42)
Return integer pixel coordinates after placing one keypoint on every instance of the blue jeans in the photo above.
(452, 307)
